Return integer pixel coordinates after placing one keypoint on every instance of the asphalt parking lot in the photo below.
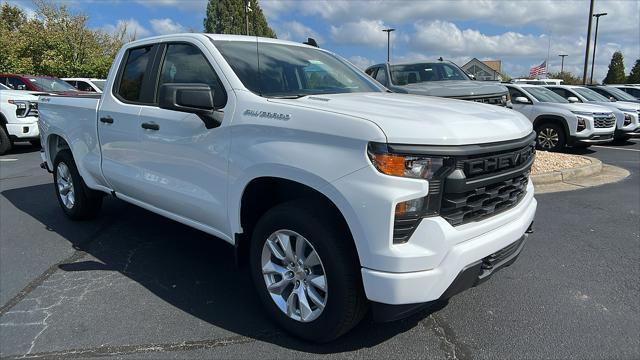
(132, 284)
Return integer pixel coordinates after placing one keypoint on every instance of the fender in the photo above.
(554, 118)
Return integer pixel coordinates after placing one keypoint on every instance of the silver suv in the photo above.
(440, 78)
(558, 122)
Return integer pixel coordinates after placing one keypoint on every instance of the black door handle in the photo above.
(150, 126)
(107, 120)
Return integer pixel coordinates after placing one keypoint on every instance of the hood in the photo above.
(19, 95)
(454, 88)
(411, 119)
(583, 107)
(619, 105)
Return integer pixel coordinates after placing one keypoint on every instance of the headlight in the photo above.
(25, 108)
(433, 168)
(582, 123)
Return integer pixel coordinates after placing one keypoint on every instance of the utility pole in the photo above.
(586, 53)
(388, 31)
(247, 9)
(562, 62)
(595, 43)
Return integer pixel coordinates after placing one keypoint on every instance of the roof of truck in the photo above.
(222, 37)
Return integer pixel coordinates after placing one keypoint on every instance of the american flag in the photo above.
(538, 70)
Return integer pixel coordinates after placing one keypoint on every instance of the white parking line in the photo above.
(615, 148)
(7, 160)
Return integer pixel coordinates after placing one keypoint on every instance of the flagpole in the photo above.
(546, 68)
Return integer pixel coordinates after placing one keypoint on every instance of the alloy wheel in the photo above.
(548, 138)
(294, 275)
(65, 185)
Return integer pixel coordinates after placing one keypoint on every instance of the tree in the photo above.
(227, 17)
(54, 42)
(567, 77)
(616, 74)
(634, 75)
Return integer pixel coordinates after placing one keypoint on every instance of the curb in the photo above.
(559, 176)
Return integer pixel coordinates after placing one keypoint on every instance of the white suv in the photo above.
(18, 117)
(558, 122)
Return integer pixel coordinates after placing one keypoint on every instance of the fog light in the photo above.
(582, 124)
(627, 119)
(410, 207)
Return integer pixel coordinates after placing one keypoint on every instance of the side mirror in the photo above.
(521, 100)
(190, 98)
(573, 99)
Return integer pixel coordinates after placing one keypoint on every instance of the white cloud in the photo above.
(363, 32)
(361, 62)
(166, 26)
(185, 5)
(295, 31)
(133, 29)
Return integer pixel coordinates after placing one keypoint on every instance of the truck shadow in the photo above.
(191, 270)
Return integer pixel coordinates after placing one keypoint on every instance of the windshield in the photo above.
(545, 95)
(415, 73)
(99, 84)
(51, 84)
(292, 71)
(619, 94)
(590, 95)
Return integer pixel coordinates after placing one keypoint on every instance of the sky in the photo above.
(520, 33)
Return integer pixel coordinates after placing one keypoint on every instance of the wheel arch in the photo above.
(261, 193)
(542, 119)
(55, 143)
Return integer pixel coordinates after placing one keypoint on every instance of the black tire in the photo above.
(87, 202)
(36, 143)
(547, 131)
(346, 302)
(5, 142)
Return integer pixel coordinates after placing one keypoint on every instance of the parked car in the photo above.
(627, 118)
(633, 90)
(442, 79)
(18, 118)
(48, 84)
(341, 195)
(86, 84)
(613, 93)
(558, 122)
(538, 81)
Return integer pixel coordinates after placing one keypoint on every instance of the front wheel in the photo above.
(5, 142)
(550, 137)
(306, 272)
(75, 198)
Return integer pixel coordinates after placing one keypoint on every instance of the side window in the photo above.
(83, 86)
(184, 63)
(135, 69)
(72, 83)
(371, 72)
(515, 93)
(560, 92)
(17, 84)
(632, 91)
(381, 76)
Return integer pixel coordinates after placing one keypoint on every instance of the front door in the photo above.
(183, 163)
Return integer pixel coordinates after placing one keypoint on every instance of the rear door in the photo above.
(183, 162)
(119, 121)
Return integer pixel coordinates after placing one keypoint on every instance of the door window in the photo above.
(185, 63)
(133, 75)
(381, 76)
(16, 84)
(561, 92)
(83, 86)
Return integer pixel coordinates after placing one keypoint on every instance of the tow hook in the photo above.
(530, 229)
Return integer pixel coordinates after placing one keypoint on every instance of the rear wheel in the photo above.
(306, 272)
(550, 137)
(75, 198)
(5, 142)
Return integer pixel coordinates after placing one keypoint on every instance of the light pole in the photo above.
(586, 52)
(562, 62)
(388, 31)
(595, 42)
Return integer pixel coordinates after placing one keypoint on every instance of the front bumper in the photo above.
(472, 275)
(416, 287)
(23, 131)
(592, 139)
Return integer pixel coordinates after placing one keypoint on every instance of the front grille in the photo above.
(492, 100)
(604, 120)
(501, 255)
(481, 202)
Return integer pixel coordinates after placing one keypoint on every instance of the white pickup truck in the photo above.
(18, 117)
(341, 196)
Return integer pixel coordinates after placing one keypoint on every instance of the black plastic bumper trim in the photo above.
(472, 275)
